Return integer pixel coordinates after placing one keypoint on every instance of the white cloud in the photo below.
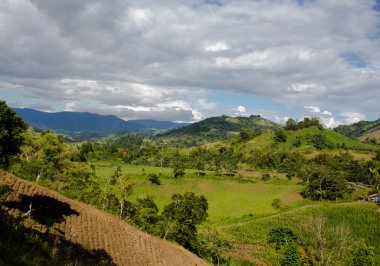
(219, 46)
(70, 107)
(329, 122)
(313, 109)
(327, 113)
(352, 117)
(147, 53)
(281, 120)
(240, 111)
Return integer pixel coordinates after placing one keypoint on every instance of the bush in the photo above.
(364, 255)
(154, 179)
(280, 236)
(265, 176)
(292, 256)
(276, 203)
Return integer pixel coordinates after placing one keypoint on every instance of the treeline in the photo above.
(325, 176)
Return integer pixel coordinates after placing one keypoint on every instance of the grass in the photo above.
(361, 218)
(229, 199)
(267, 139)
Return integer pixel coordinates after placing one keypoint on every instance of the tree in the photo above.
(12, 128)
(213, 246)
(292, 256)
(291, 124)
(178, 167)
(280, 236)
(279, 135)
(122, 189)
(180, 218)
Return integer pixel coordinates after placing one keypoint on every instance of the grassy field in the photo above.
(267, 139)
(228, 198)
(249, 239)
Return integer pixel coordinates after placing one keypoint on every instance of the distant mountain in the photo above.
(88, 124)
(220, 127)
(363, 130)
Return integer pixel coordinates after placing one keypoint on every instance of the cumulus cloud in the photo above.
(352, 117)
(148, 54)
(240, 111)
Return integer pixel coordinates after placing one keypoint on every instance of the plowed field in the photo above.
(93, 229)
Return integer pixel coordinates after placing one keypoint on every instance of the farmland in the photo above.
(228, 198)
(99, 232)
(250, 238)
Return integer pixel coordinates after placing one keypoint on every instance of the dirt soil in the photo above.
(53, 213)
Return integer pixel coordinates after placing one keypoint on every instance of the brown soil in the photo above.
(90, 227)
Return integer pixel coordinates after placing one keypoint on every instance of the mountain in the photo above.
(363, 130)
(220, 127)
(61, 231)
(88, 124)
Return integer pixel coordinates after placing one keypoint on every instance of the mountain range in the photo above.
(89, 124)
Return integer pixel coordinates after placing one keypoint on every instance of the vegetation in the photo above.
(11, 133)
(358, 129)
(177, 192)
(219, 128)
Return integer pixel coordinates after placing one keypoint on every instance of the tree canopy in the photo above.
(12, 128)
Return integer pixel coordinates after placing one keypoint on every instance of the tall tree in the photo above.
(12, 128)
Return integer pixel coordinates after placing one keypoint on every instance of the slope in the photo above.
(91, 228)
(359, 129)
(306, 141)
(70, 123)
(219, 128)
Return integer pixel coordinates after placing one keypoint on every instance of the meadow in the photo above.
(229, 199)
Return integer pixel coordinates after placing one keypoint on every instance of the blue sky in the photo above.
(186, 60)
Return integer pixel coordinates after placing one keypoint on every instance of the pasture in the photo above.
(228, 198)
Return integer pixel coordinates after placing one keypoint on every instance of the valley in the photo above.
(222, 200)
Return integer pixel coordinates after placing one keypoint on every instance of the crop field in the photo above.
(249, 238)
(89, 227)
(228, 198)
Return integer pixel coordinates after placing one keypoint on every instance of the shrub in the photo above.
(280, 236)
(154, 179)
(265, 176)
(276, 203)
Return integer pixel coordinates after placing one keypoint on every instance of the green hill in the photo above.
(359, 129)
(309, 140)
(219, 128)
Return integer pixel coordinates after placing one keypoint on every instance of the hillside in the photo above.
(219, 128)
(87, 125)
(357, 219)
(303, 140)
(361, 130)
(81, 226)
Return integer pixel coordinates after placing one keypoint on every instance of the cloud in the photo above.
(352, 117)
(219, 46)
(313, 109)
(240, 111)
(148, 54)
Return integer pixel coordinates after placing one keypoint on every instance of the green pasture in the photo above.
(228, 198)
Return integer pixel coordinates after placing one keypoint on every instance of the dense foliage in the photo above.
(11, 133)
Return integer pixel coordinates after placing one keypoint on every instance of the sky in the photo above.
(186, 60)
